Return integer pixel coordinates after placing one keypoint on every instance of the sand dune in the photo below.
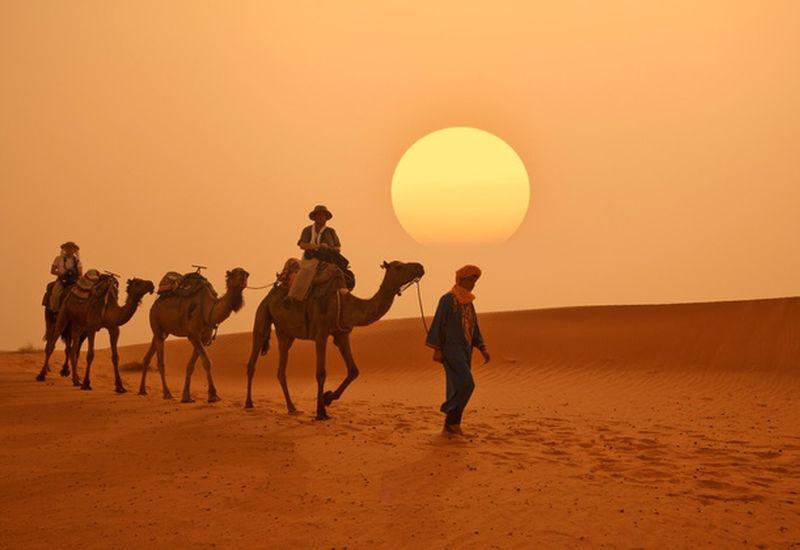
(670, 425)
(745, 336)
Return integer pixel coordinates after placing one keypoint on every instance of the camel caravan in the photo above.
(311, 299)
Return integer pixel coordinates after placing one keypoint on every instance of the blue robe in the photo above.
(447, 334)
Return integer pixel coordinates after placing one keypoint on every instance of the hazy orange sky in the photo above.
(662, 142)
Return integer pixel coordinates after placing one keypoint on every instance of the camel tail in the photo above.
(266, 326)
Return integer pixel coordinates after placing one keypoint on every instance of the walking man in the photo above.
(453, 333)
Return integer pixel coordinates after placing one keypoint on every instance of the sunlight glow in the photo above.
(460, 186)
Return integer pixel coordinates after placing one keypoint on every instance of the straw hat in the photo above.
(69, 244)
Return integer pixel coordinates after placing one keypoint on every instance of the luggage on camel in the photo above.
(183, 286)
(96, 286)
(86, 281)
(92, 284)
(169, 282)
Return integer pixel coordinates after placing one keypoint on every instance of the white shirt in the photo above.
(64, 263)
(314, 235)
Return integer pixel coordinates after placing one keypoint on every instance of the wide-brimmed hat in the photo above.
(320, 208)
(69, 244)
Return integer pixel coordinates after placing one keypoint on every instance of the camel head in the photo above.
(137, 288)
(399, 274)
(236, 282)
(236, 278)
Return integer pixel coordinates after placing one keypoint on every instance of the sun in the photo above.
(460, 185)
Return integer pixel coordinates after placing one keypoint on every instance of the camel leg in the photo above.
(64, 372)
(49, 325)
(284, 345)
(113, 337)
(67, 353)
(251, 367)
(159, 343)
(55, 327)
(213, 396)
(74, 346)
(48, 352)
(342, 341)
(187, 396)
(321, 413)
(146, 366)
(87, 385)
(261, 331)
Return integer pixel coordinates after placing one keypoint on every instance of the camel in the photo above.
(195, 317)
(80, 319)
(333, 315)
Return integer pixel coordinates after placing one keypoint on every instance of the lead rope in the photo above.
(421, 311)
(215, 327)
(419, 299)
(339, 326)
(261, 287)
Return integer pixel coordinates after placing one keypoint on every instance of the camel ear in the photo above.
(385, 265)
(130, 281)
(228, 273)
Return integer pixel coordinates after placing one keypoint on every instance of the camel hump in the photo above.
(184, 286)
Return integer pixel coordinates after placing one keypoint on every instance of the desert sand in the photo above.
(625, 426)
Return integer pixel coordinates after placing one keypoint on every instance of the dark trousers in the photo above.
(460, 386)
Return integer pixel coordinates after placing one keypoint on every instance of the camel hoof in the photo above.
(187, 400)
(120, 389)
(40, 378)
(214, 398)
(328, 398)
(76, 383)
(322, 417)
(63, 372)
(292, 410)
(142, 391)
(168, 396)
(86, 387)
(248, 405)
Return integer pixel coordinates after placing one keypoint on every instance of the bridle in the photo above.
(408, 284)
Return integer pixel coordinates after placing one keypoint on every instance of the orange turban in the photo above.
(468, 271)
(464, 296)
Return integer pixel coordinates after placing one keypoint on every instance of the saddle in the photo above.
(183, 286)
(96, 287)
(335, 258)
(328, 279)
(286, 277)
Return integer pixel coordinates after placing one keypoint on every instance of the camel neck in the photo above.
(221, 308)
(358, 312)
(119, 315)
